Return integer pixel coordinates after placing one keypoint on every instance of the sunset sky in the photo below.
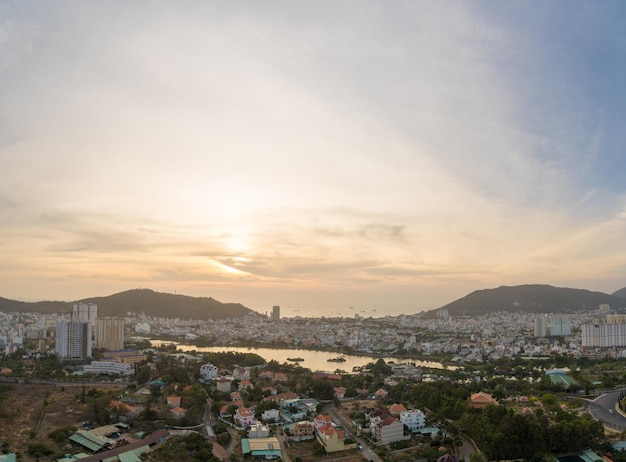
(311, 154)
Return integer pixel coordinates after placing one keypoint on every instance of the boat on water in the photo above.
(295, 360)
(338, 359)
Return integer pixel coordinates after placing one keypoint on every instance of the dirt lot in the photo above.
(306, 451)
(21, 410)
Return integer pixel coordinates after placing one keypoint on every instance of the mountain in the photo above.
(144, 301)
(532, 298)
(620, 293)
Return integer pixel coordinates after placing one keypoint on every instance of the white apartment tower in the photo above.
(560, 326)
(85, 312)
(603, 335)
(73, 340)
(541, 327)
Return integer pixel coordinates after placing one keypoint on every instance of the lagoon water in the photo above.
(314, 360)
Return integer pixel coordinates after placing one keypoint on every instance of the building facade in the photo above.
(603, 335)
(109, 333)
(73, 340)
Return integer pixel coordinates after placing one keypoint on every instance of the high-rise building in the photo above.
(603, 335)
(109, 333)
(73, 340)
(541, 328)
(276, 312)
(560, 326)
(85, 312)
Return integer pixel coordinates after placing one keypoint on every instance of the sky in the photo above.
(317, 155)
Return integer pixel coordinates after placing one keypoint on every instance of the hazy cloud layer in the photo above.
(311, 153)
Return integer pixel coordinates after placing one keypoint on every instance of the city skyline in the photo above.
(316, 155)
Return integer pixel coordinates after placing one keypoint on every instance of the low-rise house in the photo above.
(413, 419)
(258, 430)
(271, 415)
(266, 375)
(178, 412)
(173, 401)
(482, 399)
(224, 384)
(245, 384)
(303, 428)
(395, 409)
(387, 430)
(273, 391)
(340, 392)
(381, 394)
(209, 372)
(322, 419)
(280, 377)
(333, 439)
(241, 373)
(244, 417)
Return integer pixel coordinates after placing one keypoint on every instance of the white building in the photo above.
(541, 327)
(73, 340)
(109, 367)
(413, 419)
(142, 328)
(271, 415)
(85, 312)
(387, 430)
(560, 326)
(603, 335)
(209, 372)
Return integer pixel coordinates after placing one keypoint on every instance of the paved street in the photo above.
(339, 416)
(604, 408)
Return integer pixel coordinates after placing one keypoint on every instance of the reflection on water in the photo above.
(314, 360)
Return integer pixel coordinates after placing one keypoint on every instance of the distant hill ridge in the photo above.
(145, 301)
(532, 298)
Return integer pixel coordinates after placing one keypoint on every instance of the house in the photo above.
(381, 394)
(266, 375)
(272, 390)
(413, 419)
(258, 430)
(178, 412)
(280, 377)
(303, 428)
(173, 401)
(271, 415)
(223, 384)
(322, 420)
(482, 399)
(241, 373)
(395, 409)
(245, 384)
(388, 430)
(209, 372)
(340, 392)
(244, 417)
(333, 439)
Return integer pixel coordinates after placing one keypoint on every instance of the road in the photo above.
(604, 408)
(339, 416)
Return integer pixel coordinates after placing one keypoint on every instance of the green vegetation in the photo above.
(193, 447)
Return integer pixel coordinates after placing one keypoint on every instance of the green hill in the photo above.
(144, 301)
(532, 298)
